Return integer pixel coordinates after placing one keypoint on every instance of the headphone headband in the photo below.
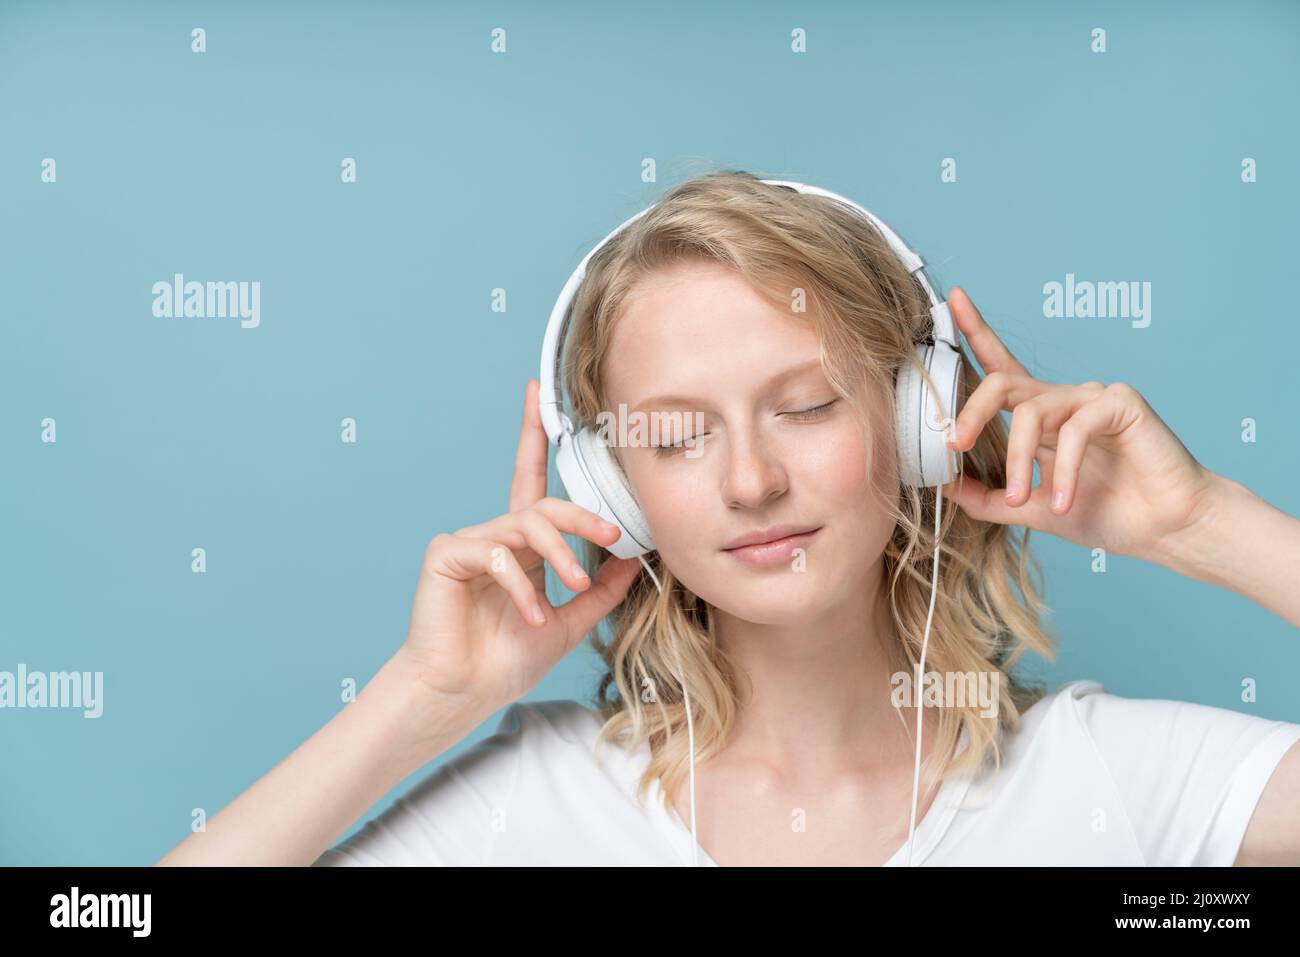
(554, 420)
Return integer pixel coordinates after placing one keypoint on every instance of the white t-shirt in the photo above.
(1089, 778)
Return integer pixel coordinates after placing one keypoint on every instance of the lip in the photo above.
(771, 546)
(771, 534)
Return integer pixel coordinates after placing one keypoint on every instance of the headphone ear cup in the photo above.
(924, 459)
(607, 476)
(907, 421)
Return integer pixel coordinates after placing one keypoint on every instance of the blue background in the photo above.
(478, 171)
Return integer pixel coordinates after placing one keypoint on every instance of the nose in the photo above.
(754, 475)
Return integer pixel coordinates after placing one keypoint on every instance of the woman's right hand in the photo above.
(472, 636)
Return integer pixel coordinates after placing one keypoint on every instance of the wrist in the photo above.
(1202, 550)
(422, 722)
(1241, 543)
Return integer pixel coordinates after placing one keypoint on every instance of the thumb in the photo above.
(977, 500)
(990, 505)
(610, 586)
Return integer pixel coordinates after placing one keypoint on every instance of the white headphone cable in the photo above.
(917, 692)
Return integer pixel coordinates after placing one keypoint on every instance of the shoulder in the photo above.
(525, 728)
(560, 720)
(457, 812)
(539, 740)
(1056, 712)
(1141, 722)
(1119, 725)
(1188, 774)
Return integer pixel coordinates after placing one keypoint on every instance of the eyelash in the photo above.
(807, 415)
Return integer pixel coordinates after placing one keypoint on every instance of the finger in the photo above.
(1097, 417)
(537, 530)
(529, 483)
(545, 539)
(463, 559)
(1033, 423)
(989, 349)
(999, 391)
(990, 505)
(582, 613)
(569, 517)
(573, 519)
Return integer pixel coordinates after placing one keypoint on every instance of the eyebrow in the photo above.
(690, 401)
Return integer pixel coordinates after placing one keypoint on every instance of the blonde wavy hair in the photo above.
(867, 311)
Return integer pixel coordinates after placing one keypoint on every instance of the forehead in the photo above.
(697, 323)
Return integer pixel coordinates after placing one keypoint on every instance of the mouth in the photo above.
(778, 548)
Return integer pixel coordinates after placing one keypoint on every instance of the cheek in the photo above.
(843, 467)
(837, 465)
(679, 505)
(855, 485)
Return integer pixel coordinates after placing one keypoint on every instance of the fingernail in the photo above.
(608, 526)
(1014, 489)
(578, 572)
(538, 615)
(1058, 499)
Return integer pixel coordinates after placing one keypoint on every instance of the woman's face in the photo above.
(698, 338)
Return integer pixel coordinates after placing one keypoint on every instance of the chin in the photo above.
(773, 598)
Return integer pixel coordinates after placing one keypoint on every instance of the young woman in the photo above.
(780, 318)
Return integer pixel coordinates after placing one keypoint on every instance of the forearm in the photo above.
(292, 814)
(1245, 545)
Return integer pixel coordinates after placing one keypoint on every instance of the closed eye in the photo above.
(676, 448)
(805, 415)
(809, 415)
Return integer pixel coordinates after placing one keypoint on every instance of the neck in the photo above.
(815, 695)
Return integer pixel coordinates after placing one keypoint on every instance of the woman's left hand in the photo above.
(1112, 473)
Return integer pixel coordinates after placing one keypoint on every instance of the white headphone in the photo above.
(593, 479)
